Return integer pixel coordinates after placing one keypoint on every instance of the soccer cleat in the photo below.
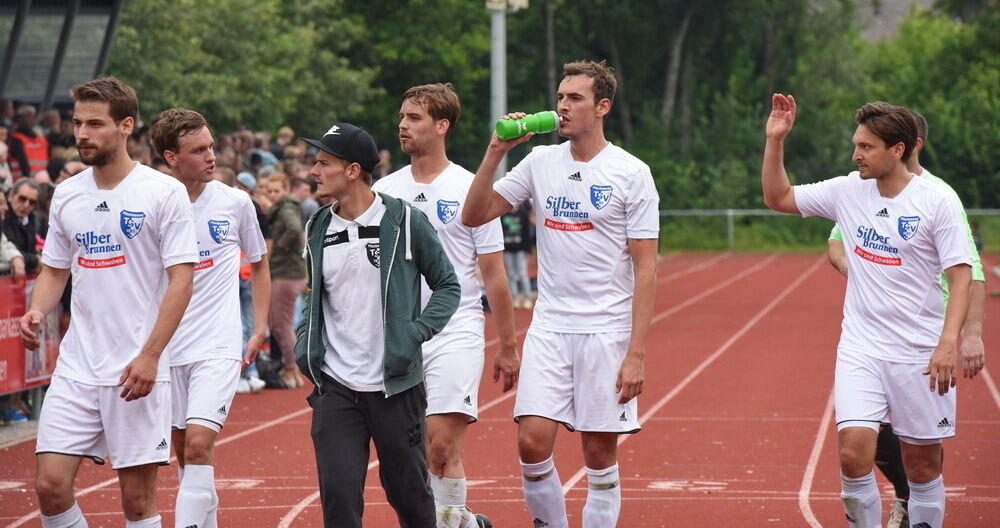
(898, 516)
(483, 521)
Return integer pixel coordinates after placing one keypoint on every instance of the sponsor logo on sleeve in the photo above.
(218, 229)
(600, 195)
(447, 209)
(908, 226)
(131, 223)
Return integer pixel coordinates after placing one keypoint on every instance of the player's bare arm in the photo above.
(140, 374)
(48, 289)
(507, 360)
(942, 369)
(778, 193)
(837, 255)
(631, 376)
(972, 350)
(260, 292)
(483, 204)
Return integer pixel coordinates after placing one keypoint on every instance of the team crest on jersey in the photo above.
(374, 255)
(218, 229)
(600, 195)
(131, 223)
(908, 226)
(447, 210)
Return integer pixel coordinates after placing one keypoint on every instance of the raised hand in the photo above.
(782, 117)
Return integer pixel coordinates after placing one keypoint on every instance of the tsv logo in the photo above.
(218, 229)
(908, 226)
(447, 210)
(131, 223)
(374, 254)
(600, 195)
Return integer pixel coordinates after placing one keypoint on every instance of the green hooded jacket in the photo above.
(409, 248)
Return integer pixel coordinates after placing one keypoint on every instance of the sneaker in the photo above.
(256, 384)
(898, 515)
(526, 304)
(16, 416)
(243, 386)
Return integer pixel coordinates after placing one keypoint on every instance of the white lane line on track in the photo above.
(223, 441)
(805, 489)
(715, 355)
(299, 507)
(991, 386)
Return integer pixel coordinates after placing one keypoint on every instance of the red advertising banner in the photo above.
(19, 368)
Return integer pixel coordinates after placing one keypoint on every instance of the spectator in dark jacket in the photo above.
(288, 271)
(19, 225)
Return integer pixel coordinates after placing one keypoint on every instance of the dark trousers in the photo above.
(343, 423)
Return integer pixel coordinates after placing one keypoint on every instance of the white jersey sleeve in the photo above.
(516, 186)
(251, 239)
(59, 248)
(820, 199)
(178, 244)
(950, 234)
(488, 237)
(642, 215)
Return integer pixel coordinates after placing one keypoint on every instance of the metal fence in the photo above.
(730, 214)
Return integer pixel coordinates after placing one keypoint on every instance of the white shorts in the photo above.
(93, 421)
(570, 378)
(203, 392)
(869, 391)
(453, 367)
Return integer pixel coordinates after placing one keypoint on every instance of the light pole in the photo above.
(498, 63)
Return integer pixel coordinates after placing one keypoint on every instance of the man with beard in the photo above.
(453, 360)
(896, 359)
(205, 355)
(126, 233)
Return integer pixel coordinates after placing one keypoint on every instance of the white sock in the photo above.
(604, 498)
(469, 519)
(194, 498)
(71, 518)
(449, 500)
(543, 493)
(927, 503)
(152, 522)
(862, 502)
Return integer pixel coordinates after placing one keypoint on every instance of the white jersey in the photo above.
(225, 222)
(117, 244)
(442, 201)
(585, 213)
(897, 247)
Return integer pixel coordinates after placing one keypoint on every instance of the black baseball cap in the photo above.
(350, 143)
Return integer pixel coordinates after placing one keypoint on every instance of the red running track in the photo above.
(736, 424)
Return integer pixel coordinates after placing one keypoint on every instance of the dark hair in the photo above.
(892, 124)
(605, 83)
(21, 183)
(440, 100)
(921, 124)
(120, 97)
(171, 125)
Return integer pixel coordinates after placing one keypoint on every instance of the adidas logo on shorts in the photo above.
(468, 400)
(222, 410)
(102, 208)
(884, 213)
(420, 198)
(539, 523)
(922, 525)
(575, 177)
(944, 423)
(162, 445)
(622, 418)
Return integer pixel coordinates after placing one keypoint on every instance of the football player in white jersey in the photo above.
(888, 456)
(453, 359)
(598, 223)
(126, 233)
(205, 355)
(897, 357)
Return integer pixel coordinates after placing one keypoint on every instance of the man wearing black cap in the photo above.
(360, 337)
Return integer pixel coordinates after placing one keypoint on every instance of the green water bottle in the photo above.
(539, 123)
